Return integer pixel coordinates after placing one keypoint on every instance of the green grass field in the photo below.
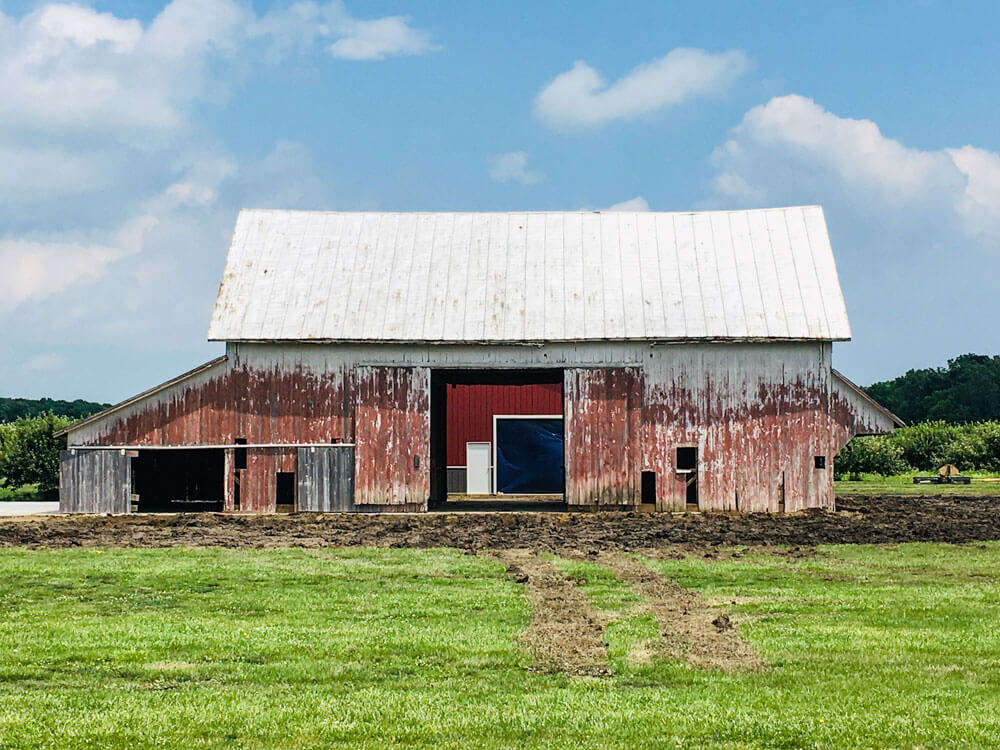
(873, 484)
(867, 647)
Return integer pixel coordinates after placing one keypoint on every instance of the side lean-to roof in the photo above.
(530, 277)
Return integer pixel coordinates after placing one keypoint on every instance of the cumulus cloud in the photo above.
(36, 270)
(70, 71)
(793, 143)
(381, 38)
(581, 97)
(98, 118)
(303, 24)
(512, 167)
(115, 198)
(632, 204)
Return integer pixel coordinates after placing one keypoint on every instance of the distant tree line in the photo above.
(967, 390)
(15, 408)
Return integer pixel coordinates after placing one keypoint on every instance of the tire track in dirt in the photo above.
(566, 632)
(690, 629)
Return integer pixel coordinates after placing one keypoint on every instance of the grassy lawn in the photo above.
(873, 484)
(868, 647)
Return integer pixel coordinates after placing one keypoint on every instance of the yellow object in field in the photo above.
(948, 470)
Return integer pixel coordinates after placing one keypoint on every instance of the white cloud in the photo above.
(73, 72)
(979, 204)
(85, 28)
(98, 119)
(791, 142)
(36, 270)
(381, 38)
(301, 25)
(512, 167)
(580, 97)
(191, 194)
(44, 363)
(632, 204)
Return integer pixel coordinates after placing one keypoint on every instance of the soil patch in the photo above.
(860, 520)
(566, 632)
(691, 630)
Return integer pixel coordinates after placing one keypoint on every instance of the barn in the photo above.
(381, 362)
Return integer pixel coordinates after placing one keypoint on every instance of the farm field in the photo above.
(830, 646)
(983, 483)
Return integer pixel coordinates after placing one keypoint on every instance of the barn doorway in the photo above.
(180, 480)
(687, 472)
(497, 440)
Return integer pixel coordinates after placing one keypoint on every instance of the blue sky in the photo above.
(131, 133)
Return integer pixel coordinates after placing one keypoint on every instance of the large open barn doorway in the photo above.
(497, 440)
(179, 480)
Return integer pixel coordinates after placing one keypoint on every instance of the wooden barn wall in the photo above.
(758, 416)
(393, 436)
(95, 481)
(603, 435)
(757, 412)
(854, 413)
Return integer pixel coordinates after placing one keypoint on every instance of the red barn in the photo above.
(619, 359)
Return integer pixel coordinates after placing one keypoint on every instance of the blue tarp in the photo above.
(530, 456)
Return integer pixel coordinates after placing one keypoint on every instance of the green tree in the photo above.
(870, 455)
(29, 452)
(968, 390)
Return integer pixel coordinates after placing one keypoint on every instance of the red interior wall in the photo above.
(471, 409)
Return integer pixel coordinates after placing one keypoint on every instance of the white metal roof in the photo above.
(547, 276)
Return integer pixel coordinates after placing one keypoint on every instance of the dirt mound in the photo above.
(566, 632)
(857, 520)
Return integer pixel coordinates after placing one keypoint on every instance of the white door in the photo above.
(477, 468)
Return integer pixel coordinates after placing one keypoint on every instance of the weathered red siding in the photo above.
(603, 433)
(758, 413)
(393, 437)
(471, 409)
(262, 406)
(757, 421)
(224, 403)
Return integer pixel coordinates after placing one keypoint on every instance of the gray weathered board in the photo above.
(326, 479)
(94, 481)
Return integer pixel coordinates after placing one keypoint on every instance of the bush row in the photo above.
(29, 454)
(923, 447)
